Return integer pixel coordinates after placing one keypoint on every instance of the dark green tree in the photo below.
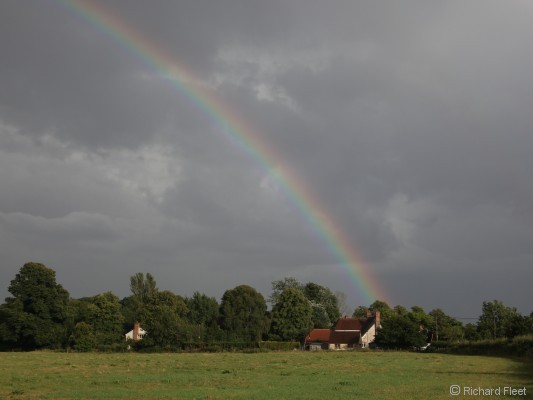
(518, 325)
(129, 309)
(323, 296)
(203, 317)
(319, 316)
(36, 314)
(471, 332)
(385, 310)
(398, 332)
(105, 317)
(163, 326)
(83, 338)
(175, 302)
(496, 320)
(143, 289)
(164, 320)
(419, 316)
(445, 327)
(360, 312)
(401, 310)
(324, 303)
(203, 310)
(291, 316)
(279, 286)
(242, 314)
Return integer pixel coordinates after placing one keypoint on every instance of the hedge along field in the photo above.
(284, 375)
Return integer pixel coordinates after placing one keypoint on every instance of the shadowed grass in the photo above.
(294, 375)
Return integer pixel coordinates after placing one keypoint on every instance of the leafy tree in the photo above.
(322, 300)
(83, 338)
(360, 312)
(382, 307)
(163, 326)
(175, 302)
(518, 325)
(341, 302)
(143, 290)
(203, 317)
(319, 316)
(242, 314)
(203, 310)
(35, 316)
(498, 320)
(446, 327)
(105, 317)
(323, 296)
(419, 316)
(279, 286)
(10, 324)
(401, 310)
(398, 332)
(291, 316)
(129, 309)
(164, 319)
(471, 332)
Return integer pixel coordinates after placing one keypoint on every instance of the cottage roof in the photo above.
(345, 331)
(318, 335)
(354, 324)
(350, 337)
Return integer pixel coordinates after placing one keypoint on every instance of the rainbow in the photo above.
(207, 100)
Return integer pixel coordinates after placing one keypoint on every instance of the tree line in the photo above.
(41, 314)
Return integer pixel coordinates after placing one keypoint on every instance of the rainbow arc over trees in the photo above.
(213, 106)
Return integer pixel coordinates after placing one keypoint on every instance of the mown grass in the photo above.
(288, 375)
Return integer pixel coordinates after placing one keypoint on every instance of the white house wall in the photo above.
(369, 336)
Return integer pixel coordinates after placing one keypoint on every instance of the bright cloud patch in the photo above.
(147, 172)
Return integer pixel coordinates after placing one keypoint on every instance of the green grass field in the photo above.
(290, 375)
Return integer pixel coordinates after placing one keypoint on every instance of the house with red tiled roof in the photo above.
(345, 334)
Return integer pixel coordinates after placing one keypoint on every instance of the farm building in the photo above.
(346, 333)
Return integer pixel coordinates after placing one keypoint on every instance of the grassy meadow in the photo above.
(284, 375)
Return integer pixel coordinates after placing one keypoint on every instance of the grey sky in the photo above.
(411, 121)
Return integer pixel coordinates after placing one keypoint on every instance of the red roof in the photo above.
(333, 337)
(318, 335)
(346, 331)
(344, 337)
(354, 324)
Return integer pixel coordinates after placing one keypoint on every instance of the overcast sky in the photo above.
(411, 121)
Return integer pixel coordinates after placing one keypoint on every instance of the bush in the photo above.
(83, 339)
(252, 351)
(113, 348)
(279, 346)
(147, 347)
(519, 346)
(213, 348)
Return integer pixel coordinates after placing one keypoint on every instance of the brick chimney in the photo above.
(136, 331)
(378, 319)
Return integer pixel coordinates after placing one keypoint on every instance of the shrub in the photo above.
(113, 348)
(279, 346)
(83, 339)
(519, 346)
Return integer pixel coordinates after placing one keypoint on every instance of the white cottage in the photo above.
(137, 333)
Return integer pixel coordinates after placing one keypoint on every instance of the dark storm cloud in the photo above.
(409, 121)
